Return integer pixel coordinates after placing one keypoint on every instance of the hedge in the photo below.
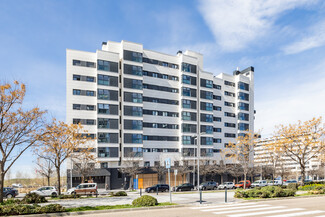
(312, 187)
(265, 192)
(145, 200)
(118, 194)
(22, 209)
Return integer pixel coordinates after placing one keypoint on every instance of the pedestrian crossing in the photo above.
(258, 209)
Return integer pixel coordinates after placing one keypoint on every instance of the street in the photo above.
(307, 207)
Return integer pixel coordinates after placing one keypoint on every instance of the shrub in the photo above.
(265, 192)
(33, 198)
(293, 186)
(68, 196)
(21, 209)
(118, 194)
(312, 187)
(145, 200)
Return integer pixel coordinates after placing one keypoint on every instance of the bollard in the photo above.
(157, 190)
(200, 196)
(140, 192)
(226, 195)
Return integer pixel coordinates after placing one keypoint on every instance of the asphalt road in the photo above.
(306, 207)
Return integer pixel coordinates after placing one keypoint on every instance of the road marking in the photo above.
(299, 214)
(207, 207)
(249, 210)
(267, 212)
(234, 207)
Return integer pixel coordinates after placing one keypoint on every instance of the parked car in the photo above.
(259, 183)
(184, 187)
(241, 184)
(9, 192)
(228, 185)
(291, 181)
(209, 186)
(84, 188)
(274, 182)
(17, 185)
(161, 188)
(46, 191)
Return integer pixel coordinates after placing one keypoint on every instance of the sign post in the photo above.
(168, 162)
(175, 173)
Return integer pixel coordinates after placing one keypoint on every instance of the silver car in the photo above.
(209, 186)
(228, 185)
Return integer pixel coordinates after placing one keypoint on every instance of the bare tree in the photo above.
(236, 170)
(205, 169)
(130, 166)
(18, 127)
(301, 142)
(243, 152)
(45, 168)
(183, 169)
(83, 163)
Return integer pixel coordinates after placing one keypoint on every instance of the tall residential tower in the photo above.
(149, 106)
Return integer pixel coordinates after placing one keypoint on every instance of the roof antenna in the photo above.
(237, 68)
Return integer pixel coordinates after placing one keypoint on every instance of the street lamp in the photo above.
(198, 158)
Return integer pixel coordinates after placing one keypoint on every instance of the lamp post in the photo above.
(198, 157)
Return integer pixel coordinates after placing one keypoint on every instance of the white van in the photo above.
(259, 183)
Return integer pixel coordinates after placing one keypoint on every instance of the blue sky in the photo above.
(283, 39)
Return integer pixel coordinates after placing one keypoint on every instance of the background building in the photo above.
(147, 106)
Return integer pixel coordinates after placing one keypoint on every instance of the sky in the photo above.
(284, 40)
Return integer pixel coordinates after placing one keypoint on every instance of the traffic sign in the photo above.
(167, 162)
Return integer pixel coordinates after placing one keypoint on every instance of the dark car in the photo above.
(161, 188)
(10, 192)
(185, 187)
(209, 186)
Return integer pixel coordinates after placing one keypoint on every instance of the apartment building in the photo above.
(289, 167)
(147, 106)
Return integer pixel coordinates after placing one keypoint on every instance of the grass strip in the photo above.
(124, 206)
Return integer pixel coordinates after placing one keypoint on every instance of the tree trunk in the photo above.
(245, 180)
(2, 179)
(48, 181)
(221, 178)
(303, 172)
(131, 183)
(204, 177)
(59, 179)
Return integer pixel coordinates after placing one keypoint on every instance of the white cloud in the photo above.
(284, 103)
(237, 23)
(315, 38)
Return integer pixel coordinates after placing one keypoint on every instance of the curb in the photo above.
(97, 211)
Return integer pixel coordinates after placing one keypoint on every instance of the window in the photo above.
(160, 113)
(188, 128)
(133, 124)
(103, 108)
(206, 83)
(187, 140)
(133, 138)
(206, 141)
(186, 79)
(218, 119)
(233, 125)
(186, 67)
(230, 83)
(160, 125)
(160, 138)
(90, 93)
(243, 96)
(76, 106)
(107, 152)
(217, 130)
(217, 140)
(186, 116)
(217, 108)
(146, 163)
(132, 56)
(230, 104)
(106, 66)
(76, 92)
(133, 152)
(206, 118)
(83, 63)
(230, 135)
(206, 129)
(188, 92)
(229, 94)
(107, 80)
(76, 77)
(206, 106)
(103, 94)
(133, 83)
(158, 100)
(218, 87)
(133, 70)
(243, 106)
(107, 138)
(243, 86)
(160, 88)
(206, 152)
(243, 126)
(206, 94)
(132, 111)
(186, 103)
(228, 114)
(243, 116)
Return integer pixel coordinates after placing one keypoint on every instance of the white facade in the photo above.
(150, 106)
(262, 158)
